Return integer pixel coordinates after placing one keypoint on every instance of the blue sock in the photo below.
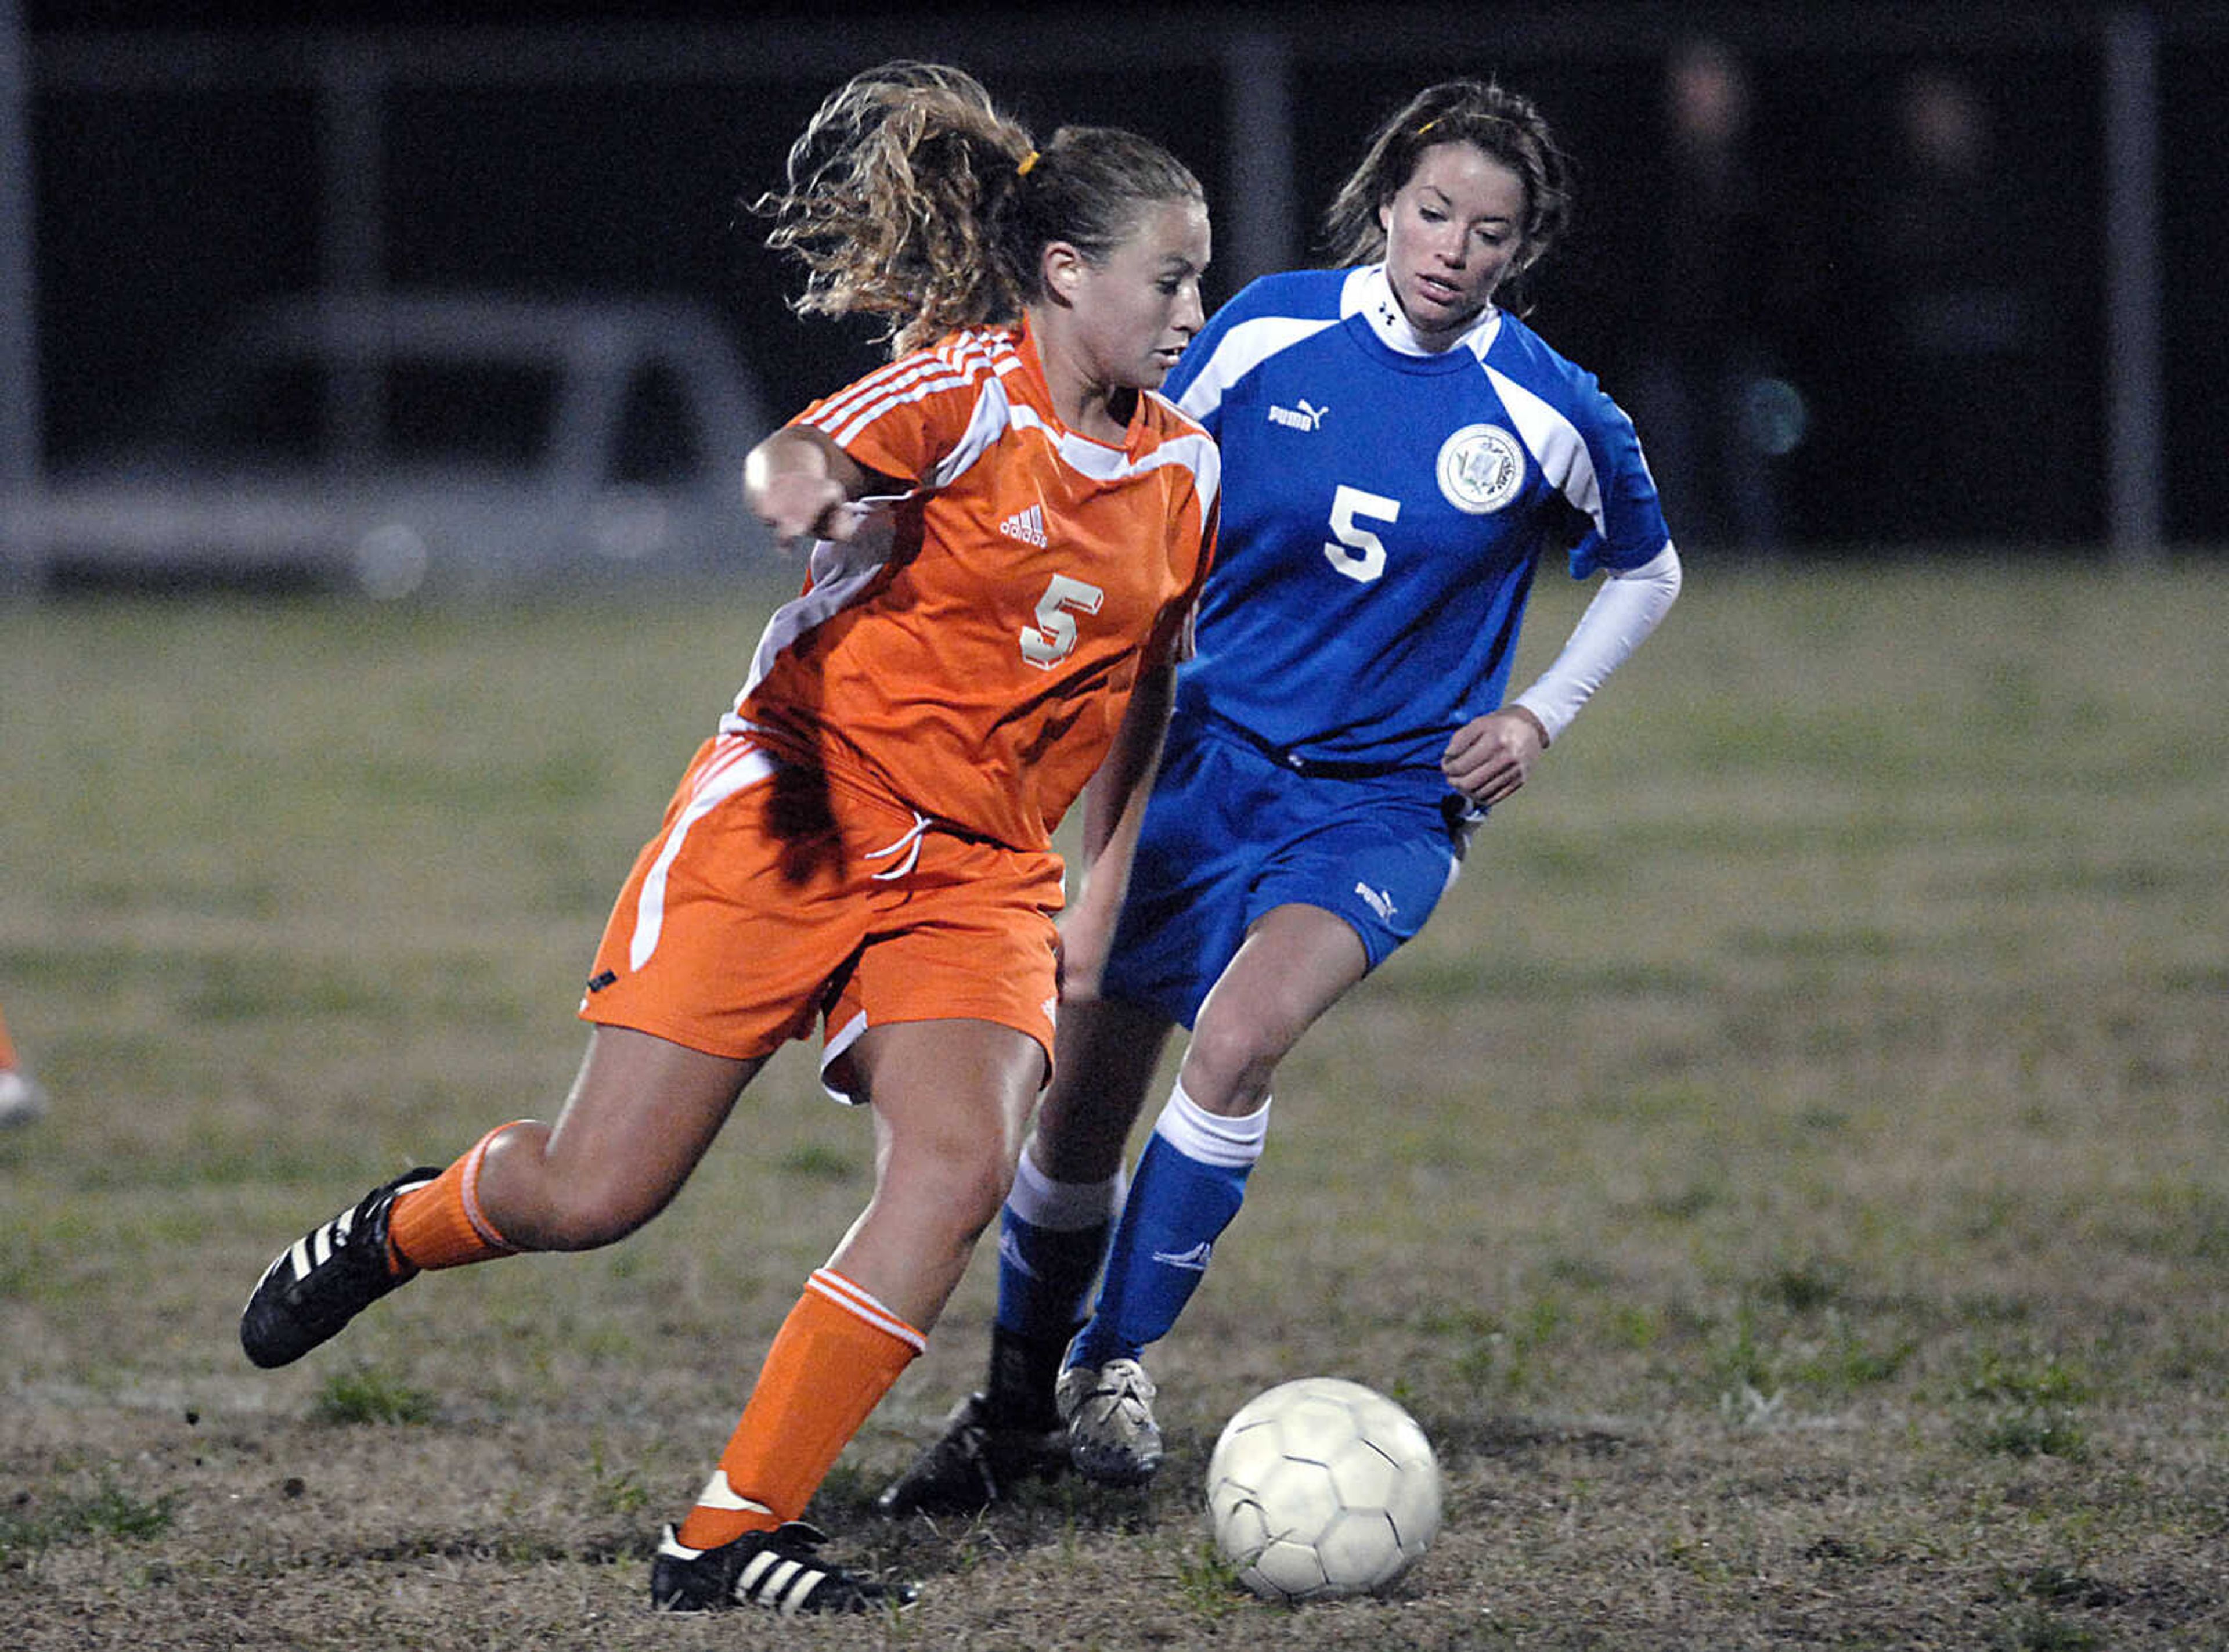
(1052, 1237)
(1190, 1182)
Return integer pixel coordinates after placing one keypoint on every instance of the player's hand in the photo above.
(800, 508)
(1491, 756)
(1086, 932)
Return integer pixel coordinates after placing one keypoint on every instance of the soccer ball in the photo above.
(1322, 1487)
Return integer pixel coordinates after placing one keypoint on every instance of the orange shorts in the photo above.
(772, 896)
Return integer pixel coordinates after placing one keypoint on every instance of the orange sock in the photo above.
(441, 1225)
(836, 1356)
(7, 1047)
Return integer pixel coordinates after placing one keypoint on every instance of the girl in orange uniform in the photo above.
(1007, 528)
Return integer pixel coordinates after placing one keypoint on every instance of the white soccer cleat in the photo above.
(1112, 1437)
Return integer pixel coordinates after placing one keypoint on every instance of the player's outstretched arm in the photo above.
(801, 485)
(1629, 605)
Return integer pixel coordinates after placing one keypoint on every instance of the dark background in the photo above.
(165, 203)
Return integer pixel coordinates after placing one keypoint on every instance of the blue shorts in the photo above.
(1230, 833)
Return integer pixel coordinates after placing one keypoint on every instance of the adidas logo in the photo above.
(1028, 526)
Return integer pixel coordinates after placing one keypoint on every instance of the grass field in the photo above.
(1789, 1180)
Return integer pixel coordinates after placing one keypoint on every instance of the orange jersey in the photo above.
(972, 652)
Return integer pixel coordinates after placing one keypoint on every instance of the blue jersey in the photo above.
(1383, 512)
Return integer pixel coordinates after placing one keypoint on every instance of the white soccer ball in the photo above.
(1322, 1487)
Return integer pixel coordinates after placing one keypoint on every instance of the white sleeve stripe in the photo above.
(993, 414)
(1244, 348)
(839, 579)
(1623, 612)
(1196, 452)
(897, 377)
(844, 426)
(907, 380)
(1555, 444)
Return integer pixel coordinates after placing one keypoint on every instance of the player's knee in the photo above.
(1228, 1067)
(964, 1179)
(979, 1189)
(586, 1217)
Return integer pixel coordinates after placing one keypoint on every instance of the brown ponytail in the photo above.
(910, 196)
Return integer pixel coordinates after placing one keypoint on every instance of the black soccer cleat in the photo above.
(325, 1279)
(776, 1572)
(973, 1464)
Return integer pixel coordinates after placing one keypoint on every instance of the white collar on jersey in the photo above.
(1369, 293)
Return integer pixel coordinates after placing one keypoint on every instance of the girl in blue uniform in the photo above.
(1401, 453)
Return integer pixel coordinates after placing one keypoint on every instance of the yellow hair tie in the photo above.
(1028, 161)
(1428, 126)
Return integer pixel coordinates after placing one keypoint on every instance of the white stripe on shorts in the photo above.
(725, 775)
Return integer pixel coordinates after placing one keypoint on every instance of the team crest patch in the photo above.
(1481, 468)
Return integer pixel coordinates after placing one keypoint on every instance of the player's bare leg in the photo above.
(1107, 1051)
(1295, 963)
(641, 1113)
(1009, 1431)
(951, 1101)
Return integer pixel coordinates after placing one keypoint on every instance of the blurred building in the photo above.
(1848, 265)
